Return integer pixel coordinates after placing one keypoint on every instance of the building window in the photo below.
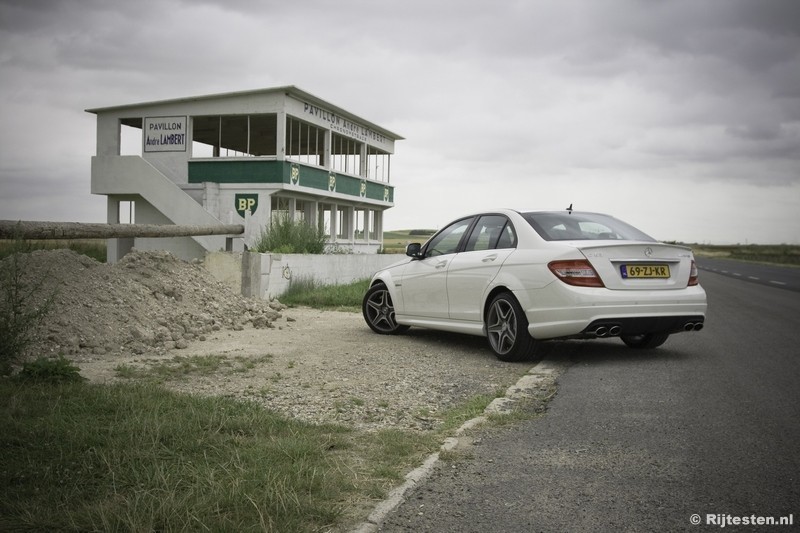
(126, 212)
(305, 143)
(325, 218)
(279, 208)
(301, 210)
(378, 164)
(130, 136)
(346, 154)
(344, 223)
(205, 136)
(234, 135)
(360, 219)
(374, 226)
(263, 135)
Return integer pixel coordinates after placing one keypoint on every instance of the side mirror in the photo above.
(412, 250)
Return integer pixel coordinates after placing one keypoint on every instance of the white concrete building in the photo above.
(243, 158)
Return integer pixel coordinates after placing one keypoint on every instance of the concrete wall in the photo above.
(226, 267)
(267, 276)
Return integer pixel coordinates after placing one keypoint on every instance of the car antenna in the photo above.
(569, 209)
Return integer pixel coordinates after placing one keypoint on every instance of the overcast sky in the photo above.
(680, 117)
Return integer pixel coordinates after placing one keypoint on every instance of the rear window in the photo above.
(566, 226)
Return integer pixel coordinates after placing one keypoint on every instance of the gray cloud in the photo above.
(700, 92)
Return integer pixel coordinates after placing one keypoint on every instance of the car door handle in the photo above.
(441, 264)
(489, 258)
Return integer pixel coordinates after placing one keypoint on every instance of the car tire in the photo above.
(378, 311)
(507, 329)
(647, 341)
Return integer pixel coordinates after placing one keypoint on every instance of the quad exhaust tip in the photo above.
(613, 330)
(607, 331)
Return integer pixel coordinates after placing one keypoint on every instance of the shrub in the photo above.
(94, 248)
(288, 236)
(24, 304)
(46, 370)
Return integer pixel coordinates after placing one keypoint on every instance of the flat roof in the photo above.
(289, 90)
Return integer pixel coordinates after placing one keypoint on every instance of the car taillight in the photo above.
(577, 272)
(693, 274)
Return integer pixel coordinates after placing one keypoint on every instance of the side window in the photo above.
(508, 239)
(446, 241)
(491, 231)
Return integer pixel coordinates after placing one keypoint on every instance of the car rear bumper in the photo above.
(613, 327)
(565, 311)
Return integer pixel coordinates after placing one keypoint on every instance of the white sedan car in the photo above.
(519, 277)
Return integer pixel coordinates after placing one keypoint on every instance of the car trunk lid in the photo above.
(639, 265)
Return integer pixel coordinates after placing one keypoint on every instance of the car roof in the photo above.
(508, 210)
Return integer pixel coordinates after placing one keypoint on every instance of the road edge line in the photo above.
(538, 373)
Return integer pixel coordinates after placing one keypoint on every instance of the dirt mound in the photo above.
(316, 366)
(148, 301)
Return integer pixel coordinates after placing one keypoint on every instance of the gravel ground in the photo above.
(317, 366)
(328, 366)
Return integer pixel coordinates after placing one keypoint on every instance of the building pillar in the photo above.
(326, 150)
(363, 160)
(280, 136)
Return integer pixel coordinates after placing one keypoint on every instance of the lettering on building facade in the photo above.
(164, 134)
(246, 202)
(344, 126)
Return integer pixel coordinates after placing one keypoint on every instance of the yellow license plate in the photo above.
(644, 271)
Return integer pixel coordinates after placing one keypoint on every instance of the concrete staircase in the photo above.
(134, 176)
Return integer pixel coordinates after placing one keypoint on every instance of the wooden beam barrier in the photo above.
(11, 229)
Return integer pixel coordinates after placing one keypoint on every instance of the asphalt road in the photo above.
(708, 424)
(771, 275)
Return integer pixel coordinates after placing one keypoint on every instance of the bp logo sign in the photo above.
(246, 202)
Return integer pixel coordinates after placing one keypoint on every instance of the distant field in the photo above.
(394, 242)
(778, 254)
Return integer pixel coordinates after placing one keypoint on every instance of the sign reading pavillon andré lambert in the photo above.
(165, 134)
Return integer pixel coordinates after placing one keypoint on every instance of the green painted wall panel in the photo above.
(236, 172)
(285, 172)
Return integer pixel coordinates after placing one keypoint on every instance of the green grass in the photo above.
(139, 458)
(179, 367)
(455, 417)
(134, 456)
(307, 292)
